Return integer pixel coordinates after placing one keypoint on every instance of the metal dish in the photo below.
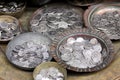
(48, 65)
(105, 53)
(28, 50)
(104, 17)
(56, 18)
(9, 28)
(12, 8)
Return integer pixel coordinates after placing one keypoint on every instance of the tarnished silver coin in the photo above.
(28, 50)
(82, 50)
(9, 27)
(56, 18)
(104, 17)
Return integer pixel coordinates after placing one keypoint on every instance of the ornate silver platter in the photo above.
(28, 50)
(82, 50)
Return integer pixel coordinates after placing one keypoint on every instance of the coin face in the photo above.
(9, 27)
(82, 50)
(53, 18)
(26, 53)
(106, 19)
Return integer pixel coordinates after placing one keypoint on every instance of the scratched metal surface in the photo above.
(9, 72)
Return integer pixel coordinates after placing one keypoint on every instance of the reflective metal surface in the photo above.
(92, 43)
(56, 18)
(104, 17)
(28, 50)
(9, 27)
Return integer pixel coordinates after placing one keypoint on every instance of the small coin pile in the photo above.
(81, 53)
(55, 18)
(51, 73)
(7, 30)
(109, 22)
(10, 6)
(29, 54)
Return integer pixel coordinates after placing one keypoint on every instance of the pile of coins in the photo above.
(10, 6)
(51, 73)
(29, 54)
(81, 53)
(108, 22)
(52, 19)
(7, 30)
(9, 27)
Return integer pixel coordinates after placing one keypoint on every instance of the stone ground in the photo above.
(9, 72)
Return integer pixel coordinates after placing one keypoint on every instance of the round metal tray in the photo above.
(87, 34)
(16, 14)
(37, 38)
(12, 20)
(54, 18)
(47, 65)
(104, 17)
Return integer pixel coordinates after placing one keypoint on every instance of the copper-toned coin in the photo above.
(9, 27)
(83, 2)
(56, 17)
(104, 17)
(49, 71)
(28, 50)
(82, 50)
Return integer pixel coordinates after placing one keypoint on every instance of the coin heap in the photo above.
(81, 53)
(29, 54)
(10, 6)
(51, 73)
(7, 30)
(109, 22)
(52, 19)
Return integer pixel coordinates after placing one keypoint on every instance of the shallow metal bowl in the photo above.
(104, 17)
(54, 18)
(47, 65)
(86, 34)
(10, 19)
(26, 37)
